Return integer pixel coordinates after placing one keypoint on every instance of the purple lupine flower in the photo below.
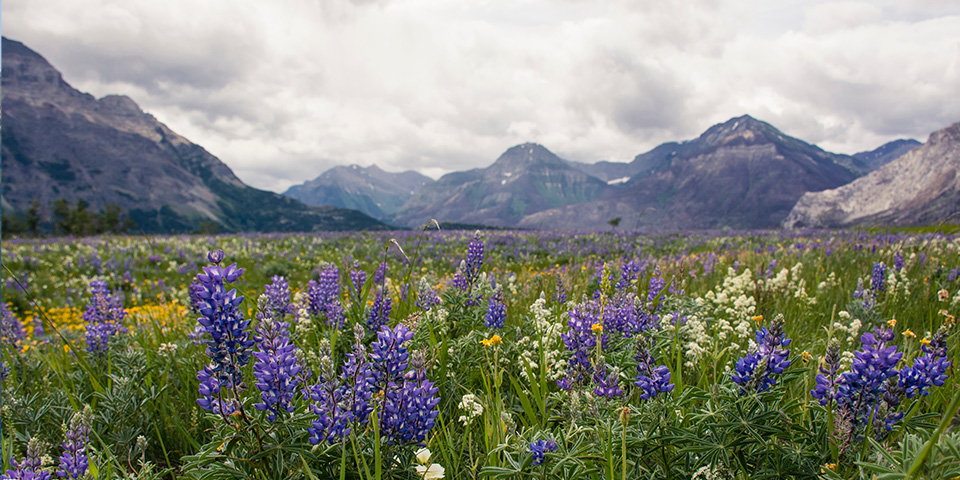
(103, 318)
(475, 258)
(581, 340)
(28, 468)
(379, 312)
(358, 278)
(864, 385)
(606, 385)
(829, 379)
(343, 402)
(898, 261)
(324, 291)
(560, 296)
(277, 368)
(73, 461)
(10, 328)
(194, 292)
(229, 343)
(278, 294)
(629, 272)
(929, 369)
(652, 379)
(211, 383)
(657, 284)
(4, 371)
(427, 297)
(710, 263)
(540, 448)
(410, 409)
(390, 358)
(469, 270)
(496, 311)
(868, 300)
(756, 371)
(381, 274)
(878, 278)
(770, 268)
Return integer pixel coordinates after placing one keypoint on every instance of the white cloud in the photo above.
(284, 90)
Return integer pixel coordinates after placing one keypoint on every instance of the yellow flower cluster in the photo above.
(492, 341)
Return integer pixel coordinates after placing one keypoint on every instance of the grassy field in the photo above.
(710, 355)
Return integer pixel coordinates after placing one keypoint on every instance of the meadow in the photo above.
(460, 354)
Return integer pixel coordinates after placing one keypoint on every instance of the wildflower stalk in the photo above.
(624, 419)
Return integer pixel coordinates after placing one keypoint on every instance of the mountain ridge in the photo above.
(58, 142)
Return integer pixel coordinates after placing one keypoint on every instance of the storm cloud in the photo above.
(281, 91)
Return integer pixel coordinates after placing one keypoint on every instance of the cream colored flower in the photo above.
(423, 456)
(434, 470)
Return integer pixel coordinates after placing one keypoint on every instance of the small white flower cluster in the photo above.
(845, 325)
(304, 323)
(167, 350)
(471, 406)
(828, 284)
(547, 332)
(694, 338)
(710, 472)
(732, 306)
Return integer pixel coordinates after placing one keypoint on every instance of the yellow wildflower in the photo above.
(492, 341)
(909, 334)
(806, 356)
(596, 328)
(758, 318)
(892, 322)
(925, 341)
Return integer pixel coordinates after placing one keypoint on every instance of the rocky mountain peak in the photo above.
(950, 134)
(526, 156)
(119, 105)
(30, 77)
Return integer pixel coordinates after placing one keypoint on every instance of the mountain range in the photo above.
(60, 143)
(367, 189)
(920, 187)
(525, 179)
(742, 173)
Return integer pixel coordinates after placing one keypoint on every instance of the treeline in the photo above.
(66, 219)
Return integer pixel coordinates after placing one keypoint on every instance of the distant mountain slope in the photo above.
(743, 173)
(61, 143)
(919, 188)
(368, 189)
(617, 173)
(525, 179)
(886, 153)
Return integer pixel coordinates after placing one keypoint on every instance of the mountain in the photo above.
(61, 143)
(886, 153)
(919, 188)
(615, 173)
(742, 173)
(370, 190)
(525, 179)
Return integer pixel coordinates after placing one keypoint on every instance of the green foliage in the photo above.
(705, 428)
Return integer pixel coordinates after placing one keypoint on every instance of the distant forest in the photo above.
(77, 220)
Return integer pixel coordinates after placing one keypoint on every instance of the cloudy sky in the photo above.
(281, 91)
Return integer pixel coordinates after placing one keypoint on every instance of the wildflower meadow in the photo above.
(498, 354)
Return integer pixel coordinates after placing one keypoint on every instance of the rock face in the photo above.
(886, 153)
(919, 188)
(61, 143)
(525, 179)
(742, 173)
(367, 189)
